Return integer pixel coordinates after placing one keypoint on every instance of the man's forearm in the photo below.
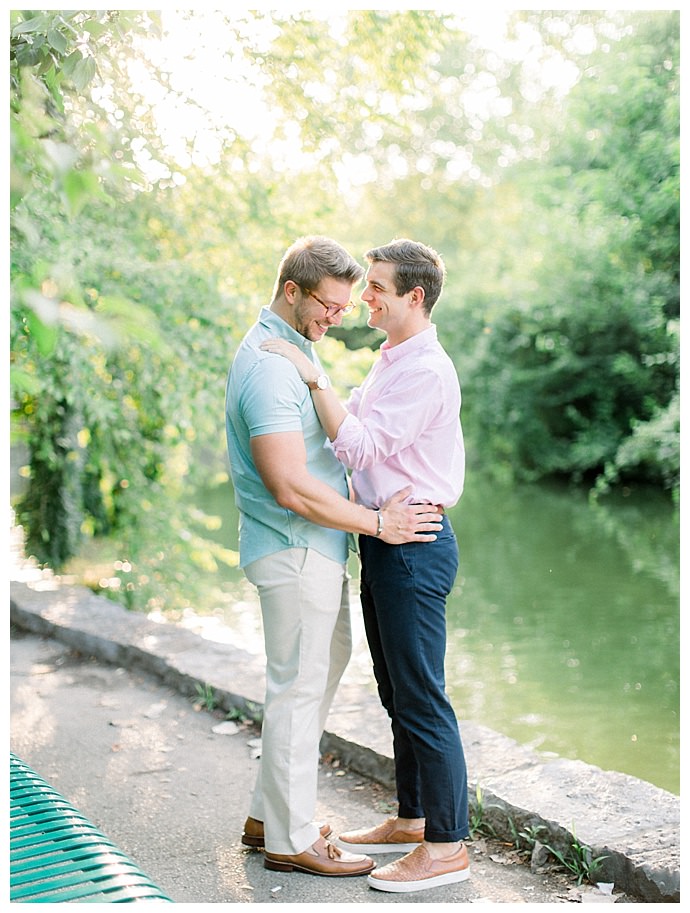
(321, 504)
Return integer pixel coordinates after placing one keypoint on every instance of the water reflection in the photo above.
(563, 628)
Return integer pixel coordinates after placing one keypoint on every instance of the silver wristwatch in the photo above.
(320, 383)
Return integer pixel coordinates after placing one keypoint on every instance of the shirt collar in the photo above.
(413, 344)
(279, 327)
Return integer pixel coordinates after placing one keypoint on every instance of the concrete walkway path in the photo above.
(635, 825)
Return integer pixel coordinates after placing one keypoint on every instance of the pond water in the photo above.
(563, 627)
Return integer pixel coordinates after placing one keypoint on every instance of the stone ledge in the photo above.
(634, 824)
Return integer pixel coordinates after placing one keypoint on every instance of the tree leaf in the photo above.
(44, 334)
(78, 187)
(57, 40)
(69, 63)
(83, 73)
(35, 24)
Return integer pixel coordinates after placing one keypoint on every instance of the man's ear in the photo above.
(417, 296)
(290, 290)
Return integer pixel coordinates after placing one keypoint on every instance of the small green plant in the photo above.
(251, 712)
(526, 839)
(387, 806)
(255, 712)
(206, 697)
(479, 827)
(579, 861)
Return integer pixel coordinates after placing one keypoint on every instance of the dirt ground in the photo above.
(147, 768)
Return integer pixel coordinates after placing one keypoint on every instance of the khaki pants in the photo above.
(305, 607)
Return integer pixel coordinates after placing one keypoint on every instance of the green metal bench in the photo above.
(58, 856)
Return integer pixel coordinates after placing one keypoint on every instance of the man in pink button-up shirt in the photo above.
(400, 429)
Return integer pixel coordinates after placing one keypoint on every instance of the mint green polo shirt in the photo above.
(265, 395)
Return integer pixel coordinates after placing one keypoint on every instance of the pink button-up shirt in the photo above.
(403, 426)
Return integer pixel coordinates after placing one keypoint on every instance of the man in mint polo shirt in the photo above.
(296, 517)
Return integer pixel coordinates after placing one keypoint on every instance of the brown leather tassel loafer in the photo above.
(253, 834)
(322, 858)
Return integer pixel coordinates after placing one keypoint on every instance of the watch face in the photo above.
(322, 382)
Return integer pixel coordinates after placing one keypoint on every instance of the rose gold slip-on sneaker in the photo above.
(418, 871)
(388, 837)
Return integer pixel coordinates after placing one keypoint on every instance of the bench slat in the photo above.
(57, 855)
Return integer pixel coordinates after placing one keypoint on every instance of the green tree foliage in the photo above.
(57, 173)
(586, 352)
(107, 388)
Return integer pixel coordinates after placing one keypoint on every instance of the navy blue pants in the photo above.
(404, 590)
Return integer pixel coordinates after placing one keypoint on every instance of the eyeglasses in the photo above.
(332, 309)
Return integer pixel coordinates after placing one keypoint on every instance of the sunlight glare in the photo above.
(216, 92)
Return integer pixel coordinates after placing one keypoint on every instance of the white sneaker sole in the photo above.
(371, 849)
(405, 887)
